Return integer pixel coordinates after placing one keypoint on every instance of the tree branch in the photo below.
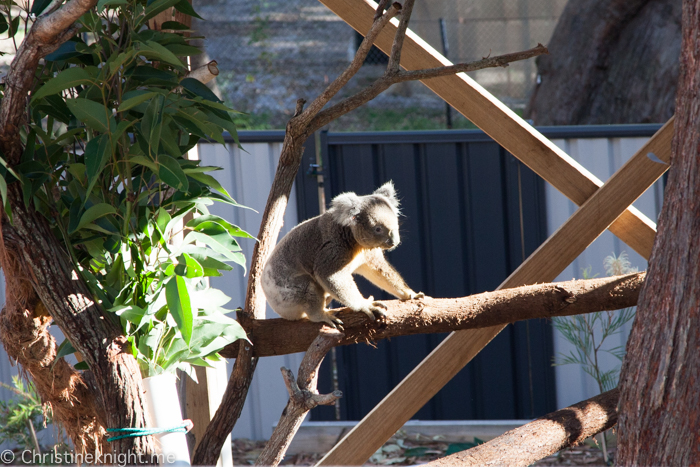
(302, 397)
(280, 336)
(356, 63)
(542, 437)
(486, 62)
(389, 78)
(397, 46)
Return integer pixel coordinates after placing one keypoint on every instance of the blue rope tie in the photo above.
(134, 432)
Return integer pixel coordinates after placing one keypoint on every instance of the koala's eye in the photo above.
(378, 229)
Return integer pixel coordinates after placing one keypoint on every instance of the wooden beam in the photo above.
(552, 257)
(499, 122)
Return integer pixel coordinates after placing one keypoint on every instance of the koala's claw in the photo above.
(374, 310)
(418, 295)
(334, 322)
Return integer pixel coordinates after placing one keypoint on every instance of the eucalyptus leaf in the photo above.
(66, 79)
(136, 100)
(97, 153)
(93, 213)
(94, 115)
(178, 299)
(170, 172)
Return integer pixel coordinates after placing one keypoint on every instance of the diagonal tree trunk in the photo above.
(660, 378)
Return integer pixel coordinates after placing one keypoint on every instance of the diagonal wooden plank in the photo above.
(552, 257)
(499, 122)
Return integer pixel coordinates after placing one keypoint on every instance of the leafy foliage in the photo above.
(21, 417)
(112, 117)
(588, 333)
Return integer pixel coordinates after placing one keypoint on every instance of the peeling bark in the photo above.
(24, 332)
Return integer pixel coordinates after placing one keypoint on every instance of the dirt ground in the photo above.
(415, 452)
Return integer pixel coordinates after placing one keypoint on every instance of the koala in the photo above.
(314, 263)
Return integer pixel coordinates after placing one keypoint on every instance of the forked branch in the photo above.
(303, 396)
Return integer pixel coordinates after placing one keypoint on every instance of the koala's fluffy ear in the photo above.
(345, 207)
(389, 192)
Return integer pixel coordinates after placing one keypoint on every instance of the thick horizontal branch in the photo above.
(428, 316)
(542, 437)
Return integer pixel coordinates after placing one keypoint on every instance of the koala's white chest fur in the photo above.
(357, 261)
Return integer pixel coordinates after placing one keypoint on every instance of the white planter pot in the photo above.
(163, 406)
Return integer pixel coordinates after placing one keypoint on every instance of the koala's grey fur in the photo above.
(315, 261)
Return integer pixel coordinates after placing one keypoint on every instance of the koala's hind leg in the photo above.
(316, 302)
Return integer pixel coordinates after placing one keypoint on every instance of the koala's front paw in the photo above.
(373, 309)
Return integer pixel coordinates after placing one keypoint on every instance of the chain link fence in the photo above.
(272, 52)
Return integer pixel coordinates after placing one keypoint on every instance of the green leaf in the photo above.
(168, 140)
(154, 8)
(145, 161)
(214, 183)
(56, 107)
(178, 299)
(192, 267)
(201, 224)
(183, 50)
(65, 51)
(222, 243)
(415, 452)
(94, 115)
(66, 348)
(66, 79)
(97, 153)
(134, 101)
(155, 51)
(3, 23)
(198, 88)
(201, 120)
(170, 172)
(81, 366)
(458, 447)
(93, 213)
(152, 122)
(38, 6)
(186, 7)
(174, 25)
(148, 75)
(115, 62)
(3, 191)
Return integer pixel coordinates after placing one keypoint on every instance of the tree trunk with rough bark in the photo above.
(610, 61)
(660, 379)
